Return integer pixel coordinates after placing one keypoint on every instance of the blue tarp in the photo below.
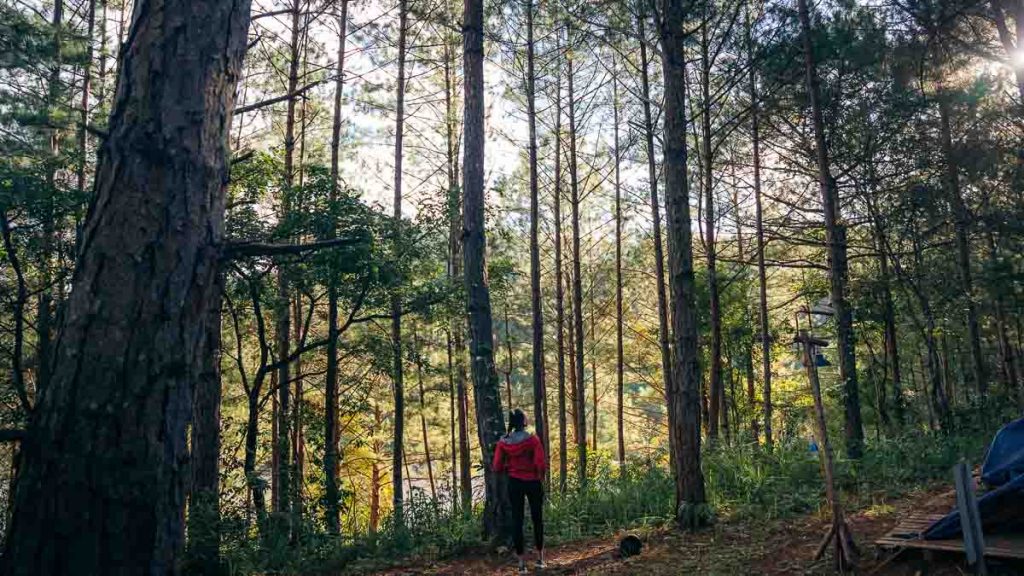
(1005, 460)
(1001, 508)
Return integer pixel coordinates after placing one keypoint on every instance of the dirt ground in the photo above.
(733, 547)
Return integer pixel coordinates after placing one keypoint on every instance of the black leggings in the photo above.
(532, 490)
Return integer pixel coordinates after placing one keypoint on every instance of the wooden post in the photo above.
(970, 519)
(839, 532)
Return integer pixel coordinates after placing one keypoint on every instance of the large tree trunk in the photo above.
(835, 237)
(539, 384)
(332, 492)
(489, 416)
(619, 356)
(105, 463)
(577, 280)
(396, 302)
(683, 391)
(652, 176)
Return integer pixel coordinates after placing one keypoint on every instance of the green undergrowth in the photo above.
(745, 482)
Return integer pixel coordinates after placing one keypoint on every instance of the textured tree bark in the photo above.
(398, 499)
(619, 356)
(835, 237)
(105, 464)
(579, 390)
(332, 496)
(963, 244)
(204, 498)
(489, 416)
(539, 380)
(652, 176)
(683, 391)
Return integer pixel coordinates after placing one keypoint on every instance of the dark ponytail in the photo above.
(516, 420)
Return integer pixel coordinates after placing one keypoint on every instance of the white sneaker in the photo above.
(541, 565)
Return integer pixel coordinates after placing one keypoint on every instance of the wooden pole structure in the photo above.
(839, 533)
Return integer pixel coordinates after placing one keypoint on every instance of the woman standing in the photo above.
(521, 455)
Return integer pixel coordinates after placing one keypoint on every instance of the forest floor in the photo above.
(733, 547)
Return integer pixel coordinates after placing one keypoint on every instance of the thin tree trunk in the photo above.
(652, 176)
(1006, 352)
(111, 499)
(452, 412)
(683, 391)
(18, 311)
(455, 274)
(375, 473)
(835, 236)
(44, 311)
(539, 384)
(417, 353)
(577, 278)
(762, 280)
(747, 346)
(716, 392)
(891, 342)
(963, 248)
(593, 371)
(332, 495)
(508, 360)
(83, 134)
(282, 503)
(619, 356)
(489, 415)
(101, 78)
(396, 302)
(559, 289)
(204, 498)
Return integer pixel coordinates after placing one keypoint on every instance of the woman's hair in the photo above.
(516, 420)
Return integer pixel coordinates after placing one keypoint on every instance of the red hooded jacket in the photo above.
(523, 459)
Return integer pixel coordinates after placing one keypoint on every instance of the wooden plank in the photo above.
(996, 548)
(970, 520)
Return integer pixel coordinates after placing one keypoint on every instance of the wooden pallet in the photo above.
(907, 534)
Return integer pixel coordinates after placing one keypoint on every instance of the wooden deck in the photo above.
(907, 534)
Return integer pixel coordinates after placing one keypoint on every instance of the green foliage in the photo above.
(744, 483)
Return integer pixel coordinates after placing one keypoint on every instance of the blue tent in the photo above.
(1001, 508)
